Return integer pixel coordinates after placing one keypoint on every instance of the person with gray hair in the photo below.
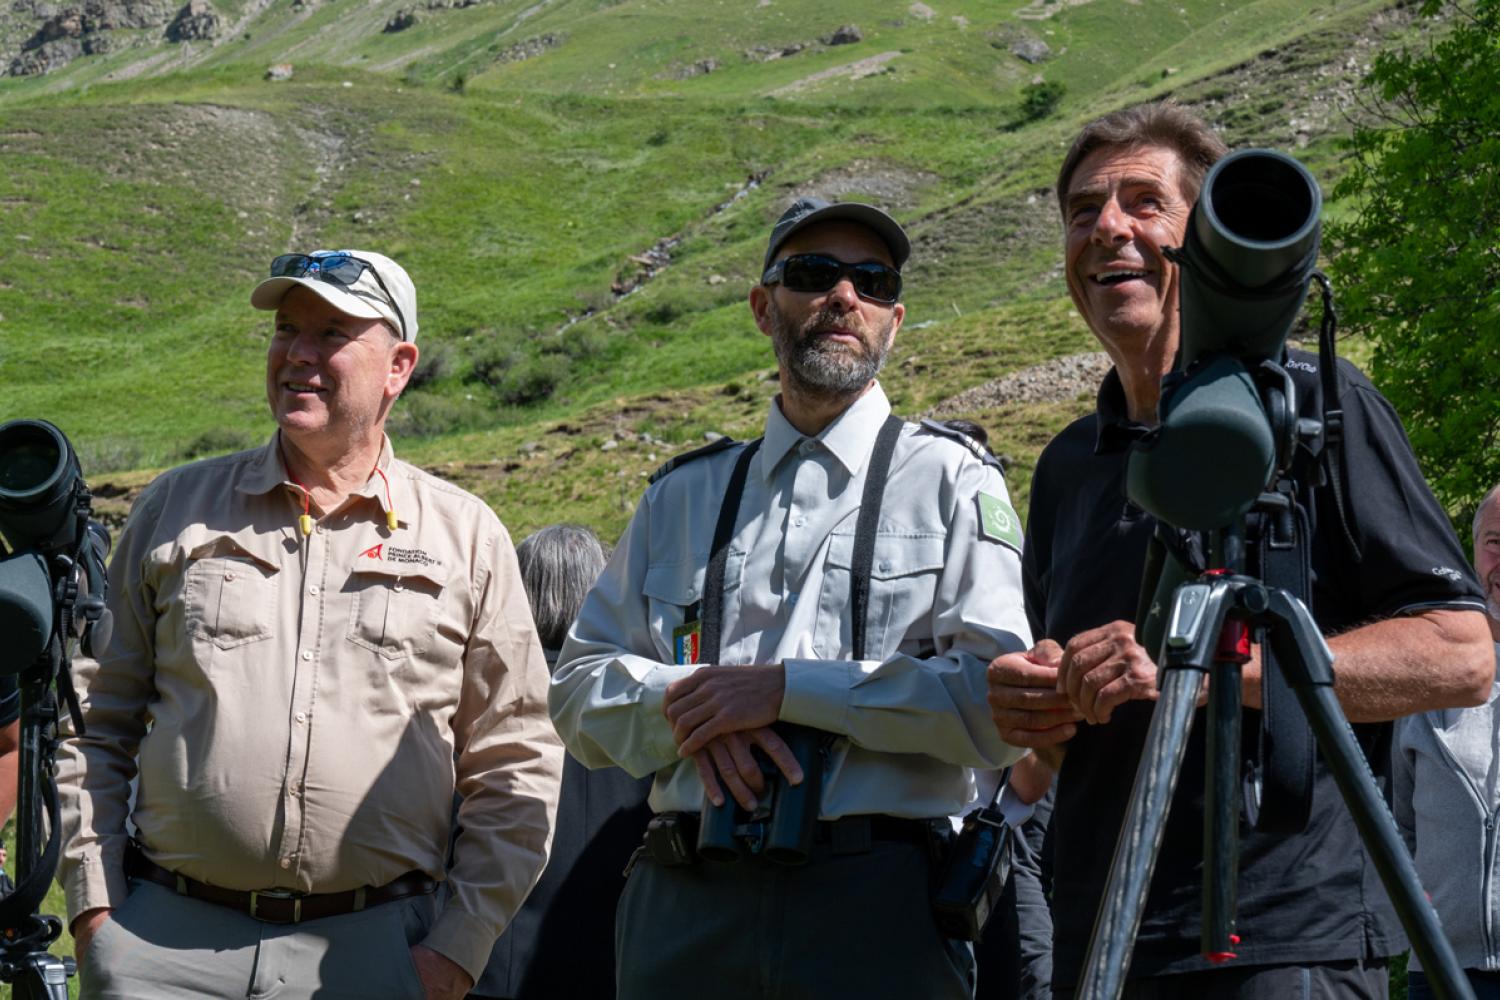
(559, 564)
(1446, 798)
(561, 943)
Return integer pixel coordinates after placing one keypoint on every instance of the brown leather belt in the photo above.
(280, 906)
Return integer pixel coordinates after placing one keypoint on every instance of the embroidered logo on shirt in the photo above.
(998, 522)
(405, 557)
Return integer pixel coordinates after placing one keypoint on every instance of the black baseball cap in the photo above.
(807, 211)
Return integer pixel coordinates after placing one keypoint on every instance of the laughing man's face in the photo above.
(1123, 205)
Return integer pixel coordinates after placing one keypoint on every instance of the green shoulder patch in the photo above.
(998, 522)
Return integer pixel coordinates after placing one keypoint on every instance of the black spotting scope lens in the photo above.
(1249, 251)
(38, 477)
(1261, 207)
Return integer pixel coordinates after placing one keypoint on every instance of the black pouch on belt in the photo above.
(974, 875)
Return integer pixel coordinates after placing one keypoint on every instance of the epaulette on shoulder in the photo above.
(978, 450)
(677, 461)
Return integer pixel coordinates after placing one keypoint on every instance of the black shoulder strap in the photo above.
(1279, 780)
(689, 456)
(1333, 412)
(713, 580)
(865, 528)
(866, 524)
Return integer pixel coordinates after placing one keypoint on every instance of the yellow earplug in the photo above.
(305, 523)
(390, 520)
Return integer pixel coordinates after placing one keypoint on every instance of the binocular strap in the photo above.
(864, 542)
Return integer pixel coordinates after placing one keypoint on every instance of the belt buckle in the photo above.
(295, 897)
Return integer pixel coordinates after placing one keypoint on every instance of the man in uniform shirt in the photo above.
(639, 683)
(1402, 612)
(313, 630)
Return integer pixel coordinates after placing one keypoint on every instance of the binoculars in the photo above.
(783, 826)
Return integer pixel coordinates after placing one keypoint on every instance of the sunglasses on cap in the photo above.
(815, 272)
(340, 269)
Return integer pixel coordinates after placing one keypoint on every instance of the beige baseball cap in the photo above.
(357, 283)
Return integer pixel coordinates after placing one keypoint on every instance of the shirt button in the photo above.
(313, 590)
(798, 521)
(692, 591)
(229, 576)
(307, 654)
(398, 587)
(808, 447)
(885, 566)
(286, 862)
(301, 716)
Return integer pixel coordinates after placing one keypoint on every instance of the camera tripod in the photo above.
(1208, 634)
(25, 935)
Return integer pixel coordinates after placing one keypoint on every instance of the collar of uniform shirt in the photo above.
(850, 437)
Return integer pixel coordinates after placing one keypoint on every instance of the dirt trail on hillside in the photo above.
(853, 71)
(1057, 381)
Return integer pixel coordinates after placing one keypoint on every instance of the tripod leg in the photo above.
(1309, 669)
(1221, 793)
(1140, 837)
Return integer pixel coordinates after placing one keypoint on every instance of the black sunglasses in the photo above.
(340, 269)
(815, 272)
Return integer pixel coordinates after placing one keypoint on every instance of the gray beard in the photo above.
(819, 367)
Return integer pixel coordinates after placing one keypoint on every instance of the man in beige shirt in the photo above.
(314, 645)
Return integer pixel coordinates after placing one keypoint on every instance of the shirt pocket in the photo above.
(903, 584)
(229, 593)
(671, 589)
(394, 614)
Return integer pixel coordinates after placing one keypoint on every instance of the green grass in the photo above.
(142, 210)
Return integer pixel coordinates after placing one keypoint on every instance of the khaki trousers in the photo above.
(162, 946)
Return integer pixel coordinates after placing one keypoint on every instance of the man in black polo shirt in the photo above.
(1403, 613)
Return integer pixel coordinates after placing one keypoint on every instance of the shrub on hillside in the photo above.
(428, 415)
(1038, 100)
(435, 362)
(516, 375)
(217, 441)
(109, 454)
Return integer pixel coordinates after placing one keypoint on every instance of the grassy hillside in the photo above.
(581, 190)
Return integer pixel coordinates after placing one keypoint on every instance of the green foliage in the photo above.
(517, 374)
(1040, 100)
(218, 441)
(1419, 265)
(424, 415)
